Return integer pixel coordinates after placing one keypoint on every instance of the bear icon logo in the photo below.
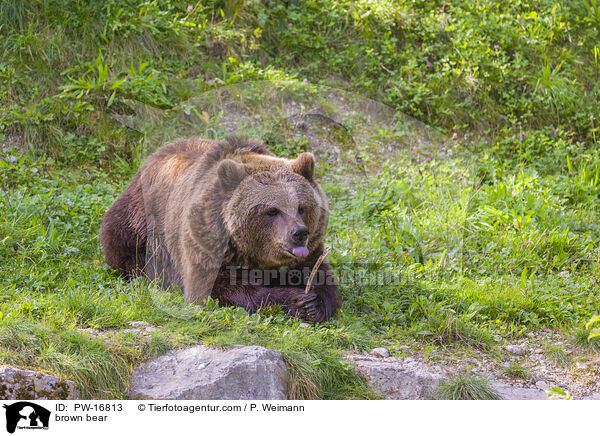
(26, 415)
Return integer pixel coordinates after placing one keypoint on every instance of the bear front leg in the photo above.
(200, 269)
(307, 307)
(317, 305)
(322, 299)
(294, 301)
(198, 281)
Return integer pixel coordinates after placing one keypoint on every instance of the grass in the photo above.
(466, 387)
(516, 370)
(581, 338)
(557, 356)
(488, 226)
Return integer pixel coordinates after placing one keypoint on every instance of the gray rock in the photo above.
(411, 379)
(397, 379)
(380, 352)
(139, 324)
(515, 349)
(202, 373)
(25, 384)
(508, 392)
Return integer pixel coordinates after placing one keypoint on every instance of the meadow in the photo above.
(490, 225)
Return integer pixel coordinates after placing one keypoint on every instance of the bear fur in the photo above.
(199, 214)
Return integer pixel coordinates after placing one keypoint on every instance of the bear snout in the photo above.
(299, 234)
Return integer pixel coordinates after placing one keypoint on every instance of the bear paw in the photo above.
(307, 307)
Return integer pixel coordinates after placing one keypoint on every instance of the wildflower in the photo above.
(496, 46)
(455, 135)
(305, 80)
(429, 64)
(570, 174)
(190, 8)
(523, 136)
(290, 24)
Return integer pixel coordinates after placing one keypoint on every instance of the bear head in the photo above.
(275, 216)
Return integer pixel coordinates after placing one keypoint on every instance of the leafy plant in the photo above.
(96, 78)
(593, 12)
(595, 331)
(557, 392)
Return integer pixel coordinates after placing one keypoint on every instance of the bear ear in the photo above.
(230, 174)
(304, 165)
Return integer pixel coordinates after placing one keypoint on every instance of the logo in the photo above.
(26, 415)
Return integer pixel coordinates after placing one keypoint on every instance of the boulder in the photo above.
(508, 392)
(202, 373)
(412, 379)
(517, 350)
(25, 384)
(397, 379)
(380, 352)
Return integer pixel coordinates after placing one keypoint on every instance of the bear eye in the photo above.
(301, 210)
(273, 212)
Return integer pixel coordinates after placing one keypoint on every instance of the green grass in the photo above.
(581, 338)
(496, 238)
(556, 355)
(516, 370)
(466, 387)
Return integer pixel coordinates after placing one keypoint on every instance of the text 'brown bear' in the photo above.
(227, 219)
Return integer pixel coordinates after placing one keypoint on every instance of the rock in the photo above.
(542, 385)
(515, 349)
(398, 379)
(25, 384)
(202, 373)
(509, 392)
(380, 352)
(140, 324)
(411, 379)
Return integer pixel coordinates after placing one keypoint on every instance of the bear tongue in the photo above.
(300, 251)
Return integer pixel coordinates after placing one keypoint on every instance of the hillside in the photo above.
(491, 224)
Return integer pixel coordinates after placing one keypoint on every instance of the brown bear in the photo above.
(227, 219)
